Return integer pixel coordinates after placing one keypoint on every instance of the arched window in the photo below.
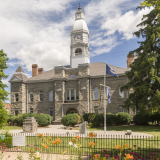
(72, 76)
(121, 94)
(108, 90)
(96, 93)
(40, 96)
(31, 96)
(78, 52)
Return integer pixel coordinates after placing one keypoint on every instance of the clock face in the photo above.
(78, 38)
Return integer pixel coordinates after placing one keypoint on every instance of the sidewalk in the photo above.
(58, 129)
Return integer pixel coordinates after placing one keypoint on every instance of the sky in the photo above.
(38, 31)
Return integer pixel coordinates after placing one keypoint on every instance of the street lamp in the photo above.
(104, 105)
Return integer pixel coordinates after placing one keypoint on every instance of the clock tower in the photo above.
(79, 49)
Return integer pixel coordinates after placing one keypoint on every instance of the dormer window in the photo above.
(78, 52)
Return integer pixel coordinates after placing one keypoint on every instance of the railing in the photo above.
(104, 144)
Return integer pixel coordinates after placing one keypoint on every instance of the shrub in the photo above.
(50, 118)
(25, 115)
(156, 117)
(42, 119)
(141, 119)
(123, 118)
(11, 119)
(19, 120)
(91, 117)
(86, 116)
(110, 119)
(71, 119)
(98, 120)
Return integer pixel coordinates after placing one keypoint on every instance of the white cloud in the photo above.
(29, 32)
(125, 24)
(5, 81)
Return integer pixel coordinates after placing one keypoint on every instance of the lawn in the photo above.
(153, 130)
(11, 127)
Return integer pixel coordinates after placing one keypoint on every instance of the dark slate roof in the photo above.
(44, 76)
(99, 69)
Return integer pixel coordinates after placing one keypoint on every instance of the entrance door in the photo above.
(71, 111)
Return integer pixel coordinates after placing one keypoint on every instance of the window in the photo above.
(40, 96)
(121, 94)
(120, 109)
(31, 110)
(16, 97)
(31, 96)
(72, 76)
(51, 95)
(78, 52)
(51, 112)
(96, 93)
(95, 109)
(72, 94)
(16, 112)
(108, 90)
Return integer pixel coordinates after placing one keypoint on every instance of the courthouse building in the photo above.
(77, 87)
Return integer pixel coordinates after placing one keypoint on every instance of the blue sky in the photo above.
(38, 31)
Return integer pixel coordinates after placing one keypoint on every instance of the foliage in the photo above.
(98, 120)
(144, 78)
(141, 119)
(3, 92)
(123, 118)
(25, 115)
(91, 117)
(71, 119)
(110, 119)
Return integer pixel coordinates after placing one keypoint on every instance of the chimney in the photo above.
(34, 70)
(129, 59)
(40, 71)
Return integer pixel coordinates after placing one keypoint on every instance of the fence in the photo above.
(104, 144)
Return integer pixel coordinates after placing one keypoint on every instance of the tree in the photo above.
(3, 92)
(144, 73)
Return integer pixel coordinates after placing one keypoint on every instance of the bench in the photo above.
(129, 132)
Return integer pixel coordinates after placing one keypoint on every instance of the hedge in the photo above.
(141, 119)
(71, 119)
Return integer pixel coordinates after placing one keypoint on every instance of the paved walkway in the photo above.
(59, 129)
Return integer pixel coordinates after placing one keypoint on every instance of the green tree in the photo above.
(3, 92)
(144, 75)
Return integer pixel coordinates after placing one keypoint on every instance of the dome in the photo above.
(79, 25)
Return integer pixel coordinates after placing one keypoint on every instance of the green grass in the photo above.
(11, 127)
(153, 130)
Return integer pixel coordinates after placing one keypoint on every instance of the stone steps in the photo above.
(57, 122)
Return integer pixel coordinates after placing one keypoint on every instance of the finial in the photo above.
(79, 8)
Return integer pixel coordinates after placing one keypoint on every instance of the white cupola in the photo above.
(79, 40)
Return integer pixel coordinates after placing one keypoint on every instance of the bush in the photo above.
(98, 120)
(91, 117)
(25, 115)
(19, 120)
(11, 119)
(86, 116)
(42, 119)
(123, 118)
(156, 117)
(110, 119)
(141, 119)
(71, 119)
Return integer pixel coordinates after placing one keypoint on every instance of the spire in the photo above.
(79, 8)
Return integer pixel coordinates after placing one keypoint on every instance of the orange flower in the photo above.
(58, 141)
(50, 138)
(91, 135)
(125, 146)
(129, 156)
(92, 143)
(117, 147)
(78, 137)
(54, 142)
(40, 135)
(45, 146)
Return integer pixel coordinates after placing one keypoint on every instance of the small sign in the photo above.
(19, 140)
(2, 137)
(83, 128)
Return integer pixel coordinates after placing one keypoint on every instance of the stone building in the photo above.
(77, 87)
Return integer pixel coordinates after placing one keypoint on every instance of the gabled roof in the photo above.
(44, 76)
(20, 74)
